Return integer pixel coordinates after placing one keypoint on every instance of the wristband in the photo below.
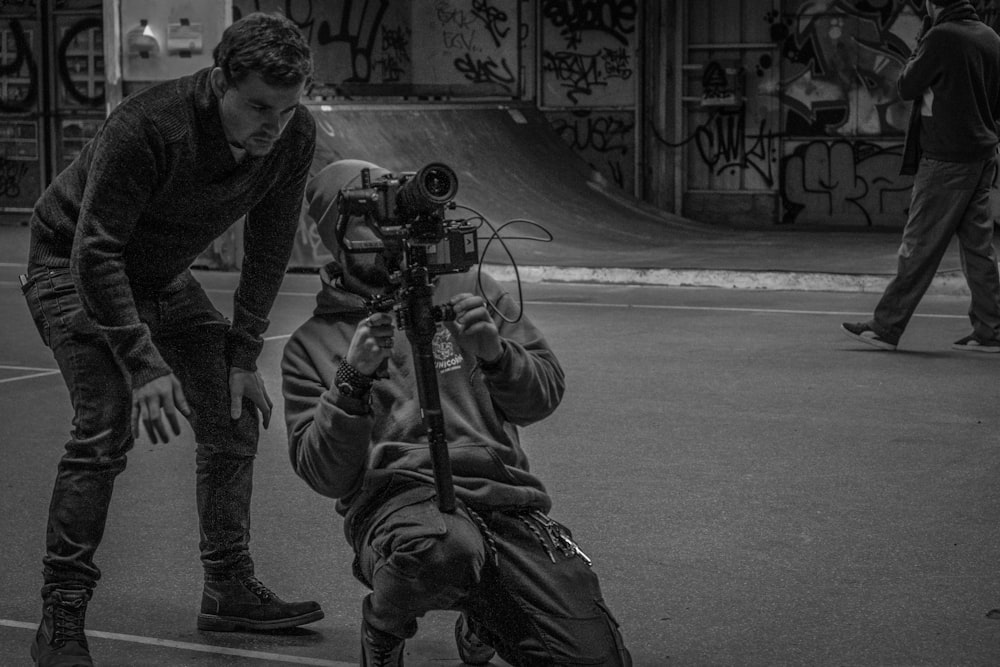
(351, 382)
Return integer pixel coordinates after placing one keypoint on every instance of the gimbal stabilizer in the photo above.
(417, 242)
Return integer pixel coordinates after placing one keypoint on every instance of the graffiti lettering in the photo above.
(65, 75)
(723, 144)
(457, 40)
(485, 71)
(19, 64)
(840, 81)
(395, 54)
(841, 182)
(578, 73)
(604, 140)
(359, 35)
(492, 18)
(446, 14)
(12, 172)
(604, 134)
(353, 23)
(612, 17)
(616, 64)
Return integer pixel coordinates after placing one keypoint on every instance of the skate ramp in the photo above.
(510, 165)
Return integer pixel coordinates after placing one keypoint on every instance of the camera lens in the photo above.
(439, 182)
(428, 190)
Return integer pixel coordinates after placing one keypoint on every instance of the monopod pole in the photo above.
(420, 326)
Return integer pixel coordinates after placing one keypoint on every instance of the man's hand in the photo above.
(476, 330)
(372, 343)
(244, 383)
(158, 399)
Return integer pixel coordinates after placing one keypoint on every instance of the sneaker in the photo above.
(60, 641)
(230, 605)
(972, 344)
(380, 649)
(471, 649)
(862, 331)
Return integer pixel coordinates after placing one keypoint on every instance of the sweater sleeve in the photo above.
(328, 435)
(924, 67)
(527, 382)
(269, 236)
(122, 178)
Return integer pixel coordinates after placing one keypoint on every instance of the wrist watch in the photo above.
(351, 382)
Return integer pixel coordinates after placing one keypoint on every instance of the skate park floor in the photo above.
(753, 487)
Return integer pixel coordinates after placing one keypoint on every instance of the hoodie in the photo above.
(953, 79)
(359, 456)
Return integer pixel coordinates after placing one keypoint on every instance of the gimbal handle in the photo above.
(418, 317)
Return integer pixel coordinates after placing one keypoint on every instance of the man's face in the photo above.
(254, 114)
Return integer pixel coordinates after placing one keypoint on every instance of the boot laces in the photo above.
(258, 589)
(68, 622)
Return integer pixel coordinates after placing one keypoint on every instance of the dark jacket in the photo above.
(150, 192)
(953, 79)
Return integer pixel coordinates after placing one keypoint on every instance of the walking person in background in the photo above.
(953, 79)
(353, 409)
(137, 340)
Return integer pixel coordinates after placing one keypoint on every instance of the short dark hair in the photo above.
(268, 44)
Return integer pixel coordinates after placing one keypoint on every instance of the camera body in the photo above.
(407, 213)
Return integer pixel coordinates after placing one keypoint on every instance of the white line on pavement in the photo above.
(780, 311)
(26, 368)
(37, 373)
(730, 309)
(202, 648)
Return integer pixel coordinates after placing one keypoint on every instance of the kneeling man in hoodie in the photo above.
(522, 587)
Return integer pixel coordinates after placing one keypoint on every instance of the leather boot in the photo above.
(60, 641)
(230, 605)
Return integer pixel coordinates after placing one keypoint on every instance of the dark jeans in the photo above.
(949, 199)
(190, 334)
(525, 594)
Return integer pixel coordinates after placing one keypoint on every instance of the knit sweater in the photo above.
(149, 193)
(954, 80)
(345, 451)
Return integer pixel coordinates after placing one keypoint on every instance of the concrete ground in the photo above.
(753, 487)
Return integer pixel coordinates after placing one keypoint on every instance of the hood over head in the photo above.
(322, 192)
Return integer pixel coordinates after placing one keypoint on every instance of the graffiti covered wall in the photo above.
(40, 127)
(842, 119)
(20, 128)
(410, 47)
(588, 80)
(843, 122)
(585, 74)
(798, 107)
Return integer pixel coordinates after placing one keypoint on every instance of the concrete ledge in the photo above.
(951, 283)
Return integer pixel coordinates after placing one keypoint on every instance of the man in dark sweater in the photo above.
(953, 79)
(137, 340)
(354, 411)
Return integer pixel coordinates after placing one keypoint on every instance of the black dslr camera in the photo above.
(407, 213)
